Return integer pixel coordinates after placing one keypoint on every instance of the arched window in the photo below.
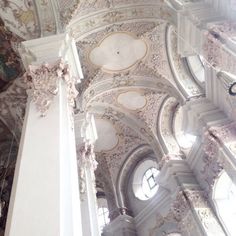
(103, 217)
(103, 213)
(149, 184)
(144, 180)
(224, 197)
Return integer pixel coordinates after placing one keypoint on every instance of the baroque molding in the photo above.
(85, 25)
(216, 139)
(166, 158)
(217, 52)
(86, 162)
(43, 84)
(190, 202)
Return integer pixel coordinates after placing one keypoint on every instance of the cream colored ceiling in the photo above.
(127, 89)
(123, 52)
(118, 51)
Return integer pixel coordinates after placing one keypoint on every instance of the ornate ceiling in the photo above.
(134, 79)
(125, 49)
(128, 80)
(10, 66)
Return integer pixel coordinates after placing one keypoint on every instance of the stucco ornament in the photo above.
(167, 157)
(191, 203)
(86, 162)
(221, 137)
(219, 54)
(43, 84)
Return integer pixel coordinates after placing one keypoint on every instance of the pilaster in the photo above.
(45, 194)
(87, 164)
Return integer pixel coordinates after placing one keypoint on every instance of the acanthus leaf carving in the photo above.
(43, 84)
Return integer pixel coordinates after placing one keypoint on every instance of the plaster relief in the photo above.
(107, 138)
(118, 51)
(132, 100)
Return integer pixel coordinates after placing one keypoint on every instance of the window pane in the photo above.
(151, 182)
(149, 185)
(148, 173)
(103, 217)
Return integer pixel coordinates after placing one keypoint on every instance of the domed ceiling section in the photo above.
(123, 51)
(93, 15)
(118, 51)
(128, 78)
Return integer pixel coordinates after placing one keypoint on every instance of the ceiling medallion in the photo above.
(132, 100)
(118, 51)
(107, 135)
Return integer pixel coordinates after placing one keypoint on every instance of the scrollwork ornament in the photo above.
(43, 84)
(86, 162)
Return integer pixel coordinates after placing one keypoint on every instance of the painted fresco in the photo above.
(10, 66)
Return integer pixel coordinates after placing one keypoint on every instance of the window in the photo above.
(149, 184)
(103, 217)
(224, 197)
(144, 180)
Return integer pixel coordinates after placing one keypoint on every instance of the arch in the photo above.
(196, 68)
(144, 183)
(155, 83)
(126, 170)
(165, 126)
(181, 74)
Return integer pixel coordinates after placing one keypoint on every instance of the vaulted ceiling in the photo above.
(134, 81)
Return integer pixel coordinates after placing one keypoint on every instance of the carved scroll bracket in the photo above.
(43, 82)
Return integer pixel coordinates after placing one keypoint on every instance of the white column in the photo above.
(45, 197)
(87, 164)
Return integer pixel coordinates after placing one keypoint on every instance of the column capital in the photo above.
(43, 84)
(86, 155)
(49, 50)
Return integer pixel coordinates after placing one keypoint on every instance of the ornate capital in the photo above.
(87, 156)
(86, 162)
(43, 81)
